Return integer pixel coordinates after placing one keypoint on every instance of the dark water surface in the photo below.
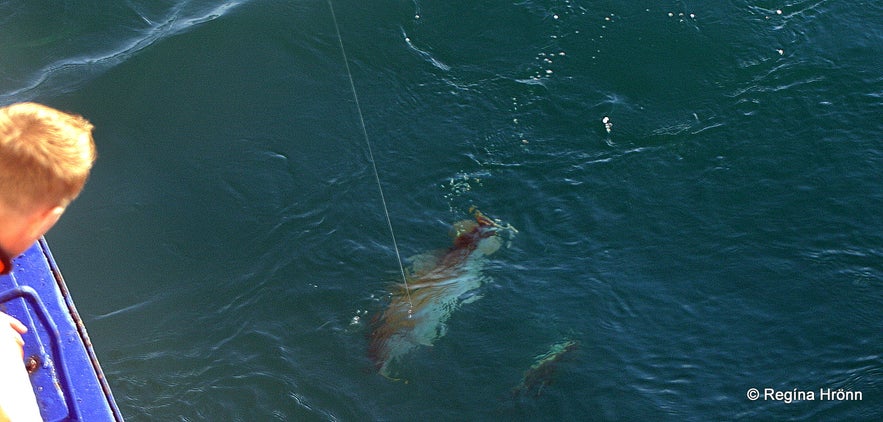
(231, 247)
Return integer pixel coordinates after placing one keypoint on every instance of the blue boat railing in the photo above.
(64, 371)
(48, 363)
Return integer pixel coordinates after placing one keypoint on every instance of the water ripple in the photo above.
(97, 52)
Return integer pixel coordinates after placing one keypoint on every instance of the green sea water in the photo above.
(720, 233)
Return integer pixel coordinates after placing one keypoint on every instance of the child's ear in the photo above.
(44, 221)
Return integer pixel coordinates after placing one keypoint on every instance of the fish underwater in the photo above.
(437, 284)
(540, 374)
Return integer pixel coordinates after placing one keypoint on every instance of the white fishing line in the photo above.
(371, 157)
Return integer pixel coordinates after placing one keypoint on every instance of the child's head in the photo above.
(45, 156)
(45, 159)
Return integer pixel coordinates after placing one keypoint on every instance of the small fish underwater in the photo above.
(437, 284)
(541, 373)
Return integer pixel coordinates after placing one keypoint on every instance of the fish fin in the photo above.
(439, 333)
(392, 378)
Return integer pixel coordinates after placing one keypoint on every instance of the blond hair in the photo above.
(45, 156)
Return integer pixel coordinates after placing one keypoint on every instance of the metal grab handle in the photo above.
(30, 295)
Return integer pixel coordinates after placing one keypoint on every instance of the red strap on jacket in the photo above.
(5, 263)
